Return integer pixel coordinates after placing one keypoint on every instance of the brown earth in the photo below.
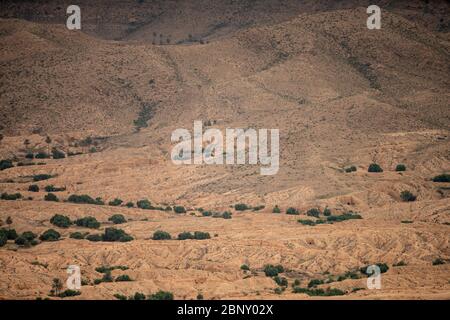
(340, 94)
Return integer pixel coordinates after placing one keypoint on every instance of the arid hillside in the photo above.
(109, 96)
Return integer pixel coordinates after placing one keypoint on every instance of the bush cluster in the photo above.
(61, 221)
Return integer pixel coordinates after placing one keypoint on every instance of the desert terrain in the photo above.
(109, 96)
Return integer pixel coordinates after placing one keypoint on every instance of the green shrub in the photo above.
(438, 261)
(58, 154)
(94, 237)
(105, 269)
(350, 169)
(241, 207)
(21, 241)
(272, 271)
(84, 198)
(144, 204)
(42, 155)
(29, 155)
(161, 235)
(123, 278)
(5, 164)
(226, 215)
(130, 204)
(373, 167)
(29, 236)
(198, 235)
(50, 235)
(40, 177)
(119, 296)
(117, 219)
(185, 236)
(206, 213)
(3, 239)
(292, 211)
(113, 234)
(12, 196)
(10, 234)
(343, 217)
(199, 296)
(52, 188)
(51, 197)
(315, 283)
(327, 212)
(33, 188)
(161, 295)
(307, 222)
(116, 202)
(77, 235)
(442, 178)
(319, 292)
(281, 281)
(138, 296)
(399, 264)
(245, 267)
(313, 212)
(276, 209)
(257, 208)
(69, 293)
(88, 222)
(179, 209)
(60, 221)
(407, 196)
(383, 268)
(400, 167)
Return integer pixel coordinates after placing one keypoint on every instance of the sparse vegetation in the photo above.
(69, 293)
(350, 169)
(327, 212)
(276, 209)
(343, 217)
(281, 281)
(161, 235)
(374, 167)
(145, 114)
(399, 264)
(60, 221)
(407, 196)
(438, 261)
(129, 204)
(400, 167)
